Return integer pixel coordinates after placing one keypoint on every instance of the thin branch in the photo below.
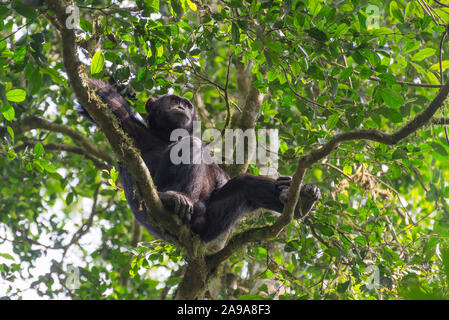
(297, 94)
(418, 176)
(107, 10)
(39, 123)
(441, 4)
(63, 147)
(18, 29)
(440, 121)
(409, 84)
(338, 170)
(429, 10)
(52, 19)
(199, 75)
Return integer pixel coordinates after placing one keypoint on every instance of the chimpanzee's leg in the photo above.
(237, 197)
(244, 194)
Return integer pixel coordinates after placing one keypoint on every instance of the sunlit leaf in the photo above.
(97, 63)
(16, 95)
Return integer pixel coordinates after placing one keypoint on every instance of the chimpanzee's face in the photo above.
(171, 111)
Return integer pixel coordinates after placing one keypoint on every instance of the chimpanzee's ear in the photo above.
(148, 104)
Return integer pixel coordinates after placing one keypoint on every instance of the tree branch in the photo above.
(121, 144)
(39, 123)
(63, 147)
(440, 121)
(409, 84)
(257, 234)
(247, 120)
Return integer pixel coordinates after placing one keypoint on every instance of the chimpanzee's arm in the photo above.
(121, 109)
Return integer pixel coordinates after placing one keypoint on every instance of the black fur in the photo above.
(200, 193)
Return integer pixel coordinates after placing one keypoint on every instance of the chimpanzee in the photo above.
(201, 193)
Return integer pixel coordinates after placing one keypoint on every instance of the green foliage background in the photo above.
(325, 66)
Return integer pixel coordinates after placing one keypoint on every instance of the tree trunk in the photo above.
(195, 281)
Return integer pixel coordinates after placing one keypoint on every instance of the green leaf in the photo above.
(317, 34)
(6, 256)
(436, 66)
(347, 169)
(38, 150)
(411, 45)
(314, 7)
(333, 252)
(191, 5)
(235, 32)
(11, 132)
(177, 8)
(16, 95)
(445, 259)
(159, 50)
(97, 62)
(326, 230)
(292, 245)
(399, 154)
(392, 114)
(346, 73)
(113, 174)
(188, 95)
(173, 281)
(24, 10)
(392, 98)
(332, 121)
(69, 198)
(410, 10)
(439, 148)
(342, 287)
(8, 111)
(423, 54)
(48, 166)
(154, 4)
(341, 30)
(272, 75)
(396, 12)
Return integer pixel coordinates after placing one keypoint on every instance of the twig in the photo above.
(199, 75)
(429, 10)
(337, 169)
(108, 10)
(441, 4)
(18, 29)
(409, 84)
(297, 94)
(39, 123)
(440, 121)
(418, 176)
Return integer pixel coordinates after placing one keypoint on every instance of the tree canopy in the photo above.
(356, 89)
